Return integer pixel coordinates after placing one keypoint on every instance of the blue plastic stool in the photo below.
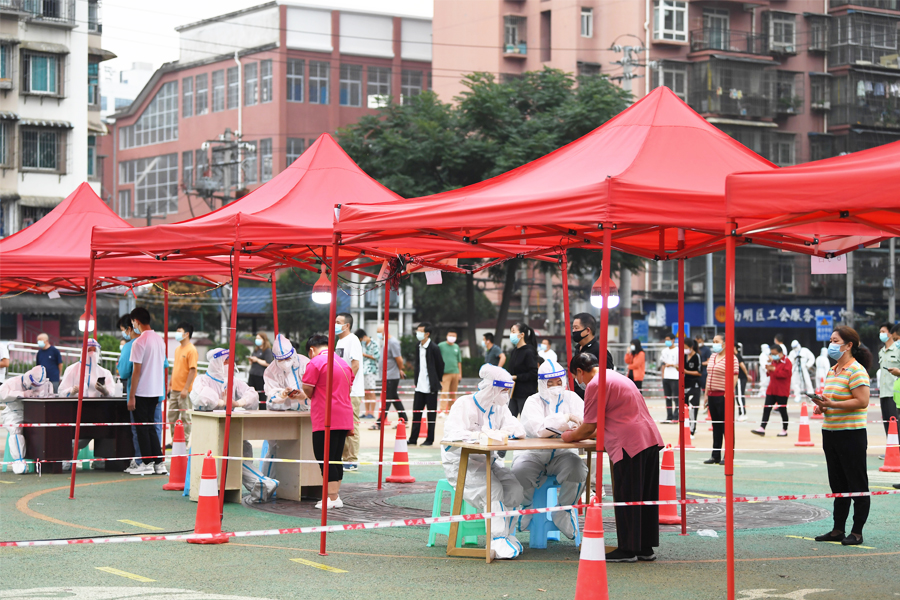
(29, 464)
(468, 531)
(187, 478)
(542, 527)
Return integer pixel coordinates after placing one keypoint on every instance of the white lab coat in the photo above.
(68, 386)
(278, 383)
(208, 391)
(33, 384)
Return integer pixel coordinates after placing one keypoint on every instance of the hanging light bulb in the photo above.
(321, 292)
(597, 294)
(84, 318)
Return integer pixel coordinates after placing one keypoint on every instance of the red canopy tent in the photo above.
(650, 182)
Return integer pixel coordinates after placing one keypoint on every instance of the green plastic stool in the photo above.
(85, 453)
(468, 531)
(29, 464)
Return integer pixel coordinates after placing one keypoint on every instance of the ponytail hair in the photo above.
(527, 334)
(859, 352)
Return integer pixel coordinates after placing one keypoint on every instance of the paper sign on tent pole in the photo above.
(829, 266)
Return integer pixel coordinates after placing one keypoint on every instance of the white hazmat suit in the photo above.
(802, 360)
(546, 414)
(284, 376)
(33, 384)
(68, 386)
(823, 365)
(471, 414)
(763, 373)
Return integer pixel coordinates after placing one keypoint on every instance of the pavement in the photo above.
(772, 562)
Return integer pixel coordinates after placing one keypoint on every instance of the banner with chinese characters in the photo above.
(777, 315)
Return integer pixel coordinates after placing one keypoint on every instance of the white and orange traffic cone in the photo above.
(208, 505)
(892, 454)
(803, 438)
(423, 427)
(687, 428)
(668, 513)
(591, 583)
(179, 460)
(400, 473)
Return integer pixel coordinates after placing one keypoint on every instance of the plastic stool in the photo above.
(85, 453)
(542, 527)
(29, 464)
(187, 478)
(468, 531)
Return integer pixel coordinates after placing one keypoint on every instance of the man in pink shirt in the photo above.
(315, 386)
(632, 441)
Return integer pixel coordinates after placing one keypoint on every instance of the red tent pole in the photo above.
(274, 304)
(96, 318)
(165, 410)
(329, 383)
(384, 365)
(729, 405)
(682, 407)
(89, 286)
(564, 273)
(603, 341)
(232, 347)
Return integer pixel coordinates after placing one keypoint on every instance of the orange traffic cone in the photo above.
(709, 418)
(892, 455)
(687, 428)
(423, 428)
(400, 473)
(668, 513)
(591, 583)
(803, 438)
(820, 416)
(179, 460)
(208, 505)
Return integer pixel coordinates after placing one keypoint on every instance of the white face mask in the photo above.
(632, 347)
(555, 389)
(285, 365)
(545, 347)
(179, 336)
(420, 335)
(451, 339)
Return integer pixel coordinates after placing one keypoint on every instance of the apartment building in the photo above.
(50, 55)
(250, 91)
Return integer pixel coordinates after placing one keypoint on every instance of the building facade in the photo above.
(50, 125)
(224, 119)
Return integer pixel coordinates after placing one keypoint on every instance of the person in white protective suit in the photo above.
(209, 393)
(93, 388)
(802, 359)
(471, 414)
(283, 379)
(547, 414)
(33, 384)
(763, 374)
(822, 367)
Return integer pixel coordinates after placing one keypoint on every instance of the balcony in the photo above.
(878, 4)
(882, 113)
(728, 40)
(58, 12)
(731, 88)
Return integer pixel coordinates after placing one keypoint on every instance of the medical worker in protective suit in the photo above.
(763, 374)
(471, 414)
(802, 359)
(823, 365)
(548, 414)
(33, 384)
(93, 388)
(283, 379)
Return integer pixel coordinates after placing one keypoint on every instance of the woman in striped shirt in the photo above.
(720, 360)
(845, 404)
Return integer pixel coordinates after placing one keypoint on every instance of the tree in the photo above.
(298, 316)
(447, 303)
(426, 146)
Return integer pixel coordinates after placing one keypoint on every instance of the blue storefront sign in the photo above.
(687, 329)
(757, 315)
(641, 331)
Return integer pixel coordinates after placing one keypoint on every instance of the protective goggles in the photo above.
(220, 354)
(33, 382)
(504, 384)
(282, 355)
(554, 375)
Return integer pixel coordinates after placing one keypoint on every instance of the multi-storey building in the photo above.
(119, 88)
(50, 57)
(250, 91)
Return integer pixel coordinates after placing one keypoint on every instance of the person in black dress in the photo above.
(522, 365)
(259, 360)
(692, 375)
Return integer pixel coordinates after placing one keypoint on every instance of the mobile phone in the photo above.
(813, 396)
(101, 380)
(553, 431)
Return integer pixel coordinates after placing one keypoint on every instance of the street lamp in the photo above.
(90, 321)
(597, 294)
(321, 292)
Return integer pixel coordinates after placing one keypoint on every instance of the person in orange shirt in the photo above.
(636, 361)
(184, 370)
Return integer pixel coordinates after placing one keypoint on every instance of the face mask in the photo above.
(134, 325)
(687, 351)
(285, 365)
(41, 343)
(716, 348)
(258, 341)
(775, 357)
(420, 335)
(882, 336)
(580, 385)
(179, 336)
(834, 351)
(451, 339)
(545, 348)
(668, 343)
(338, 329)
(514, 338)
(125, 336)
(631, 347)
(555, 389)
(578, 335)
(483, 344)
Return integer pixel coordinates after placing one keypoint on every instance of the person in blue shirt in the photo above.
(48, 356)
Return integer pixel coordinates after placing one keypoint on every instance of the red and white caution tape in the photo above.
(83, 424)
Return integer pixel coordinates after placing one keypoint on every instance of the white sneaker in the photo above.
(131, 466)
(160, 469)
(336, 503)
(441, 415)
(742, 418)
(144, 469)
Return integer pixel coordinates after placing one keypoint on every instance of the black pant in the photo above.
(637, 480)
(717, 412)
(692, 399)
(779, 403)
(429, 402)
(148, 441)
(639, 384)
(670, 389)
(888, 410)
(393, 400)
(516, 405)
(257, 383)
(845, 456)
(335, 452)
(741, 396)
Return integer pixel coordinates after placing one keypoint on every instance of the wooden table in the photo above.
(468, 448)
(291, 429)
(55, 443)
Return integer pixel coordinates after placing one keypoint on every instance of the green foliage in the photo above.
(446, 303)
(241, 352)
(108, 343)
(471, 366)
(298, 316)
(409, 346)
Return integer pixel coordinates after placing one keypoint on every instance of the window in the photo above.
(155, 182)
(92, 157)
(94, 84)
(265, 163)
(663, 276)
(587, 22)
(202, 97)
(249, 164)
(351, 85)
(670, 20)
(218, 91)
(122, 103)
(715, 29)
(378, 87)
(94, 16)
(782, 152)
(819, 92)
(234, 91)
(41, 73)
(410, 84)
(251, 82)
(586, 69)
(187, 97)
(157, 124)
(125, 203)
(318, 82)
(514, 28)
(5, 142)
(818, 34)
(674, 77)
(784, 277)
(295, 80)
(187, 169)
(781, 32)
(5, 58)
(201, 164)
(42, 149)
(294, 150)
(265, 87)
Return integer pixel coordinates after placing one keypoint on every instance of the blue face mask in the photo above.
(258, 341)
(716, 348)
(883, 337)
(125, 336)
(668, 343)
(514, 338)
(41, 343)
(338, 329)
(834, 351)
